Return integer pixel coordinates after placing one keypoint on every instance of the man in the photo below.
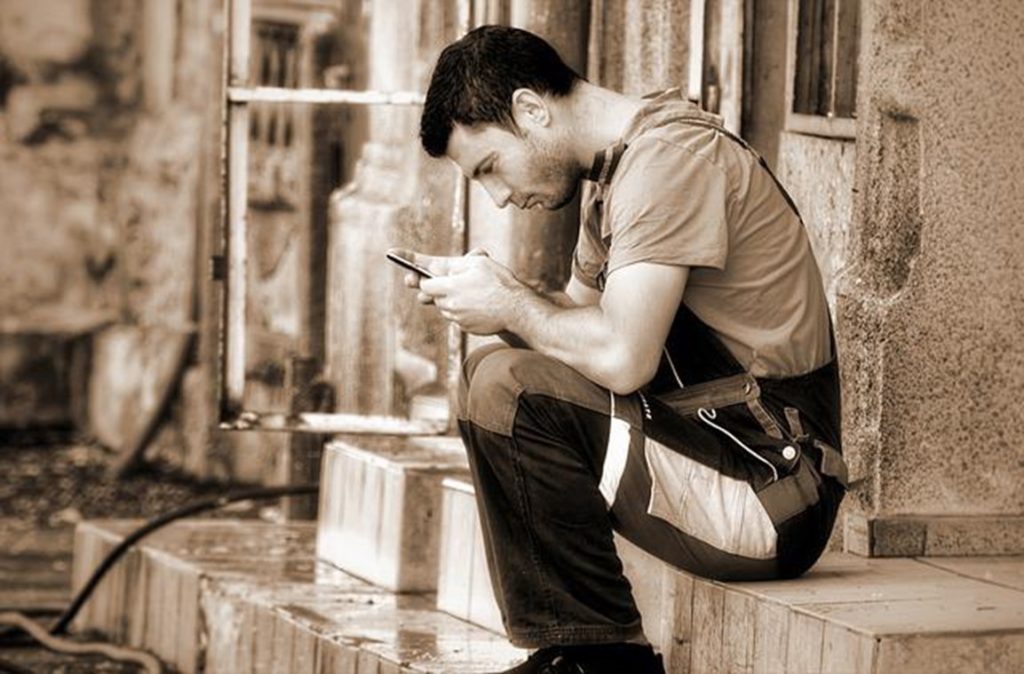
(681, 390)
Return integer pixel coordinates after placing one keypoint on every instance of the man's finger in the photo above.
(437, 265)
(434, 287)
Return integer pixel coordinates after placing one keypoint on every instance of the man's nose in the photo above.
(499, 192)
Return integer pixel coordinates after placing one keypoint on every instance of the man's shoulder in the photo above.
(667, 155)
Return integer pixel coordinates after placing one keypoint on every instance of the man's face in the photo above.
(528, 170)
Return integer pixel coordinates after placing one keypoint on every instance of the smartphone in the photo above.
(410, 265)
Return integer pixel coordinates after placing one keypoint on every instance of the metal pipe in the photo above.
(330, 422)
(237, 134)
(239, 94)
(460, 235)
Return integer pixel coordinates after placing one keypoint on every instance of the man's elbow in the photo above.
(625, 372)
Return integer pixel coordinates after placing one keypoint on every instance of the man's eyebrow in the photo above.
(479, 167)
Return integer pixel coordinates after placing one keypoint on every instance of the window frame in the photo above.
(818, 125)
(230, 267)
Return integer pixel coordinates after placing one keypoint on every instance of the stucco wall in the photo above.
(932, 315)
(818, 173)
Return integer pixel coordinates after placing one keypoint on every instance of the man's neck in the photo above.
(599, 117)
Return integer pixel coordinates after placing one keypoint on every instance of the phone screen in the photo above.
(410, 265)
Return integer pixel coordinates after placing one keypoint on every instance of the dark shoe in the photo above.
(596, 659)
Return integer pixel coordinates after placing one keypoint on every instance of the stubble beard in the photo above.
(554, 166)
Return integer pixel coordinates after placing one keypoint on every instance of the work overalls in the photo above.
(711, 469)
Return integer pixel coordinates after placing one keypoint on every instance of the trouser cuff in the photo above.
(574, 635)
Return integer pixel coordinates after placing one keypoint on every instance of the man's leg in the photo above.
(536, 432)
(554, 474)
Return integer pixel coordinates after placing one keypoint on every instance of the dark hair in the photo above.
(475, 77)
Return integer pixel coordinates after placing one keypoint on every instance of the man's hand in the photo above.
(473, 291)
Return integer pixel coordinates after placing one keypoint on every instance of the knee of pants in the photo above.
(492, 379)
(469, 368)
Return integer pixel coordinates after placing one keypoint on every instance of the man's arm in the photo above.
(575, 294)
(616, 342)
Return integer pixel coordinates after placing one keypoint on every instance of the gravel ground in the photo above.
(56, 485)
(45, 489)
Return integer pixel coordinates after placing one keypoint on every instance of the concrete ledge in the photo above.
(243, 597)
(848, 614)
(240, 597)
(934, 535)
(380, 509)
(464, 581)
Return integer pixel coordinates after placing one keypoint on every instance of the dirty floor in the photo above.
(45, 489)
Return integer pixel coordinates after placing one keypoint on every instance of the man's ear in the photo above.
(530, 109)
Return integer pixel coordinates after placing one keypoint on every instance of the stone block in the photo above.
(972, 536)
(934, 536)
(738, 633)
(156, 597)
(155, 208)
(845, 650)
(131, 366)
(679, 648)
(771, 628)
(265, 606)
(948, 441)
(380, 511)
(803, 652)
(1006, 571)
(708, 627)
(464, 583)
(951, 654)
(653, 590)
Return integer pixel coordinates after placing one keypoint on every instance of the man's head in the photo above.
(490, 108)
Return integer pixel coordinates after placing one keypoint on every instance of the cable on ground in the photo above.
(19, 623)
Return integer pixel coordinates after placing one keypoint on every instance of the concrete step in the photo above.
(241, 597)
(464, 582)
(380, 508)
(464, 586)
(848, 614)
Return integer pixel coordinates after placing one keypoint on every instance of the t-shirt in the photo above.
(683, 193)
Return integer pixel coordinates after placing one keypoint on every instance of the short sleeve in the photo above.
(591, 253)
(667, 205)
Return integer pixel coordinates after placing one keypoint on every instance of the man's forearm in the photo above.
(579, 336)
(557, 298)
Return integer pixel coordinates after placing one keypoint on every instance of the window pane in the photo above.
(810, 57)
(826, 58)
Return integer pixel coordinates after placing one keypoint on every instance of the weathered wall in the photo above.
(931, 314)
(100, 185)
(52, 158)
(640, 46)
